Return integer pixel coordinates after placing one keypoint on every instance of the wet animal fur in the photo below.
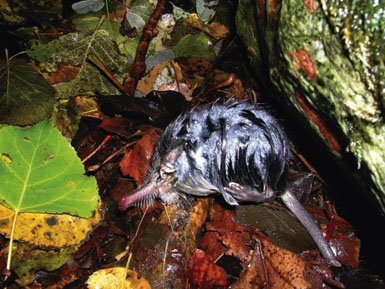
(204, 151)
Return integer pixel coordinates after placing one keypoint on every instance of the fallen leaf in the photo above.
(266, 264)
(47, 230)
(214, 29)
(27, 260)
(204, 272)
(147, 83)
(117, 125)
(25, 96)
(63, 74)
(43, 173)
(73, 49)
(116, 277)
(137, 161)
(199, 45)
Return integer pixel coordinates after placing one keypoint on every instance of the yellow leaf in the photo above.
(214, 29)
(48, 230)
(113, 278)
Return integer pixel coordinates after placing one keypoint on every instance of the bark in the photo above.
(327, 69)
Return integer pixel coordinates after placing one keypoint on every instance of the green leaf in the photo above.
(25, 97)
(179, 13)
(41, 52)
(73, 49)
(87, 23)
(194, 45)
(40, 172)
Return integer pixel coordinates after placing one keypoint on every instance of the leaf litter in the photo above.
(164, 240)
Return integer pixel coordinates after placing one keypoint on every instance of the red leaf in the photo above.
(136, 161)
(117, 125)
(204, 272)
(65, 73)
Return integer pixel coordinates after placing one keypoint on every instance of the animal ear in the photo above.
(168, 160)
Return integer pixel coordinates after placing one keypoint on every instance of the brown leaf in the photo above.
(214, 29)
(266, 264)
(116, 125)
(136, 161)
(340, 235)
(204, 272)
(65, 73)
(146, 83)
(225, 236)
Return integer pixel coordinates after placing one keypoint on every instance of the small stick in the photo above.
(97, 166)
(106, 139)
(95, 60)
(138, 67)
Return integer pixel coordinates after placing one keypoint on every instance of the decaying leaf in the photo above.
(265, 264)
(162, 73)
(204, 272)
(27, 259)
(25, 97)
(214, 29)
(47, 230)
(40, 52)
(137, 161)
(116, 277)
(73, 50)
(279, 268)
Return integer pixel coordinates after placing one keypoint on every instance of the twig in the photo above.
(97, 166)
(106, 139)
(139, 67)
(308, 165)
(95, 60)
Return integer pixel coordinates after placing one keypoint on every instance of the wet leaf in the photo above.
(282, 227)
(29, 259)
(73, 49)
(25, 97)
(279, 268)
(204, 272)
(194, 45)
(41, 52)
(47, 230)
(266, 264)
(204, 12)
(115, 278)
(85, 6)
(137, 161)
(43, 173)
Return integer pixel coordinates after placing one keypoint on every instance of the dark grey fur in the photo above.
(236, 149)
